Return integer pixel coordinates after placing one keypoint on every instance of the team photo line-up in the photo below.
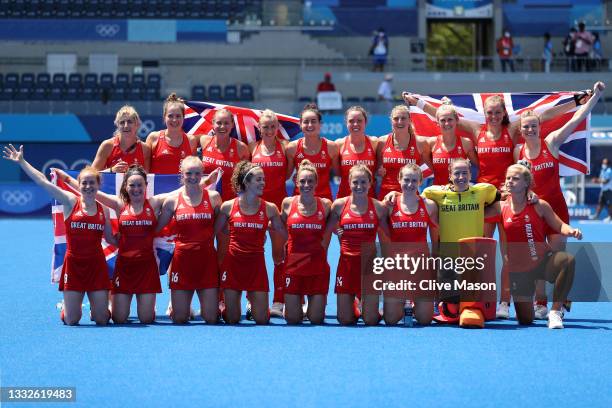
(517, 190)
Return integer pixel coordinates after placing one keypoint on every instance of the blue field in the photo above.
(246, 365)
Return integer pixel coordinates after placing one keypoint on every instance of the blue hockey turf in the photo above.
(246, 365)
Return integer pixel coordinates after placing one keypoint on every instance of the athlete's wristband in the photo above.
(420, 104)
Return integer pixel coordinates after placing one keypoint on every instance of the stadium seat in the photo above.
(368, 99)
(7, 92)
(154, 80)
(62, 9)
(90, 9)
(135, 93)
(43, 80)
(107, 8)
(198, 93)
(230, 93)
(77, 8)
(19, 8)
(136, 8)
(214, 93)
(122, 80)
(5, 8)
(75, 79)
(246, 93)
(31, 8)
(352, 99)
(90, 80)
(59, 79)
(47, 8)
(28, 79)
(56, 92)
(106, 81)
(118, 92)
(151, 93)
(73, 90)
(122, 8)
(11, 79)
(39, 93)
(304, 99)
(138, 80)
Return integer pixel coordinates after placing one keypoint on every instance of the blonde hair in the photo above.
(530, 114)
(447, 107)
(356, 108)
(190, 160)
(360, 167)
(458, 161)
(524, 168)
(410, 167)
(306, 165)
(173, 99)
(268, 114)
(129, 111)
(403, 108)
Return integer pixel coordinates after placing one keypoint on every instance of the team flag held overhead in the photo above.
(574, 154)
(199, 121)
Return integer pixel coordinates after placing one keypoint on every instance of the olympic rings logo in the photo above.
(107, 30)
(146, 127)
(60, 164)
(16, 197)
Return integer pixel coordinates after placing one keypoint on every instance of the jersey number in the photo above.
(224, 276)
(339, 281)
(287, 282)
(175, 278)
(117, 281)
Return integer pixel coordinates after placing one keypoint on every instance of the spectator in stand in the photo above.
(379, 50)
(596, 52)
(326, 85)
(584, 45)
(385, 90)
(504, 50)
(569, 49)
(547, 54)
(605, 197)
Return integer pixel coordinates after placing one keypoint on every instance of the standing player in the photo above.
(222, 150)
(171, 145)
(356, 148)
(136, 270)
(528, 256)
(358, 217)
(194, 263)
(124, 148)
(398, 148)
(322, 153)
(448, 146)
(543, 155)
(84, 270)
(409, 220)
(306, 267)
(269, 154)
(244, 267)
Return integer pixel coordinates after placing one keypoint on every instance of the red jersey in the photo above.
(321, 161)
(393, 160)
(136, 231)
(212, 158)
(194, 225)
(357, 229)
(495, 156)
(136, 156)
(84, 232)
(305, 254)
(247, 232)
(545, 170)
(84, 266)
(525, 237)
(275, 170)
(348, 158)
(166, 159)
(442, 158)
(409, 227)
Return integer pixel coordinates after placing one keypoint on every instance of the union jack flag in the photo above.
(199, 116)
(574, 154)
(111, 183)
